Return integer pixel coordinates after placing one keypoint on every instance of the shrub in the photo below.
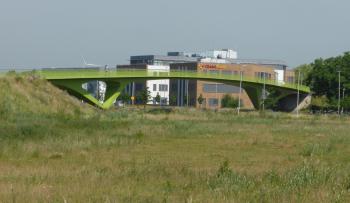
(124, 97)
(172, 100)
(143, 96)
(346, 104)
(200, 100)
(229, 102)
(157, 98)
(271, 102)
(319, 103)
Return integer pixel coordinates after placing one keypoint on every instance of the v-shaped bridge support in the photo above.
(286, 100)
(74, 86)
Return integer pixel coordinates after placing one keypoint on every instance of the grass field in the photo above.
(54, 149)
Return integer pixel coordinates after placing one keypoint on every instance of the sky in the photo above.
(47, 33)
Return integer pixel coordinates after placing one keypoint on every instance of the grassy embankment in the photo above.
(53, 148)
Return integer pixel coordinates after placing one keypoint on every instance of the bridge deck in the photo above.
(154, 74)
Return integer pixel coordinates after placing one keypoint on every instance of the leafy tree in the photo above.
(322, 77)
(185, 100)
(229, 102)
(305, 71)
(157, 98)
(124, 97)
(200, 100)
(173, 100)
(320, 103)
(144, 96)
(271, 101)
(346, 104)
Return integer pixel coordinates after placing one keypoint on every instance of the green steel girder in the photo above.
(254, 93)
(116, 81)
(114, 88)
(154, 75)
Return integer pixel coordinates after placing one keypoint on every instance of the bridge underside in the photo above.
(75, 87)
(287, 99)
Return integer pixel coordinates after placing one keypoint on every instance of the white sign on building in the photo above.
(160, 87)
(279, 76)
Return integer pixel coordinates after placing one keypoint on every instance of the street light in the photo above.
(342, 108)
(298, 96)
(338, 92)
(240, 92)
(264, 92)
(216, 95)
(240, 88)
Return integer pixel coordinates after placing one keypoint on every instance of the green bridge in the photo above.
(116, 80)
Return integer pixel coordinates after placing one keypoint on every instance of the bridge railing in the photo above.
(217, 75)
(68, 73)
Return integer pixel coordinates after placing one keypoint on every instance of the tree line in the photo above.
(322, 76)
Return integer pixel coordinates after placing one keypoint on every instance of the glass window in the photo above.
(290, 79)
(163, 88)
(213, 102)
(174, 87)
(154, 87)
(220, 88)
(263, 75)
(138, 86)
(163, 100)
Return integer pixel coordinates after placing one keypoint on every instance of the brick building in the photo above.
(185, 92)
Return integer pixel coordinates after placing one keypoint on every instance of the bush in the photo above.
(200, 100)
(320, 103)
(346, 104)
(143, 96)
(271, 102)
(229, 102)
(124, 97)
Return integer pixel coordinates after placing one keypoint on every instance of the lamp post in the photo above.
(339, 92)
(240, 89)
(298, 96)
(240, 92)
(216, 95)
(342, 108)
(264, 92)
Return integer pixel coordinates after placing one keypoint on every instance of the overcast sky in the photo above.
(57, 33)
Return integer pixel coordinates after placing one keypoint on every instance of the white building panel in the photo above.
(279, 76)
(160, 87)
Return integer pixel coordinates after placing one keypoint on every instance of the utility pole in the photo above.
(342, 108)
(264, 92)
(133, 92)
(339, 92)
(187, 81)
(298, 96)
(216, 95)
(187, 97)
(240, 92)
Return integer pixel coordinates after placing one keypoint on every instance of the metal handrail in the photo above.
(90, 73)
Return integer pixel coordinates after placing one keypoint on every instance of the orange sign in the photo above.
(210, 66)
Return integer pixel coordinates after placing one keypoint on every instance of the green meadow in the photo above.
(53, 148)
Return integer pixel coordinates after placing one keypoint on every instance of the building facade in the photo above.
(180, 92)
(158, 87)
(188, 91)
(155, 87)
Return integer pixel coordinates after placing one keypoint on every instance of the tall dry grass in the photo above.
(165, 155)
